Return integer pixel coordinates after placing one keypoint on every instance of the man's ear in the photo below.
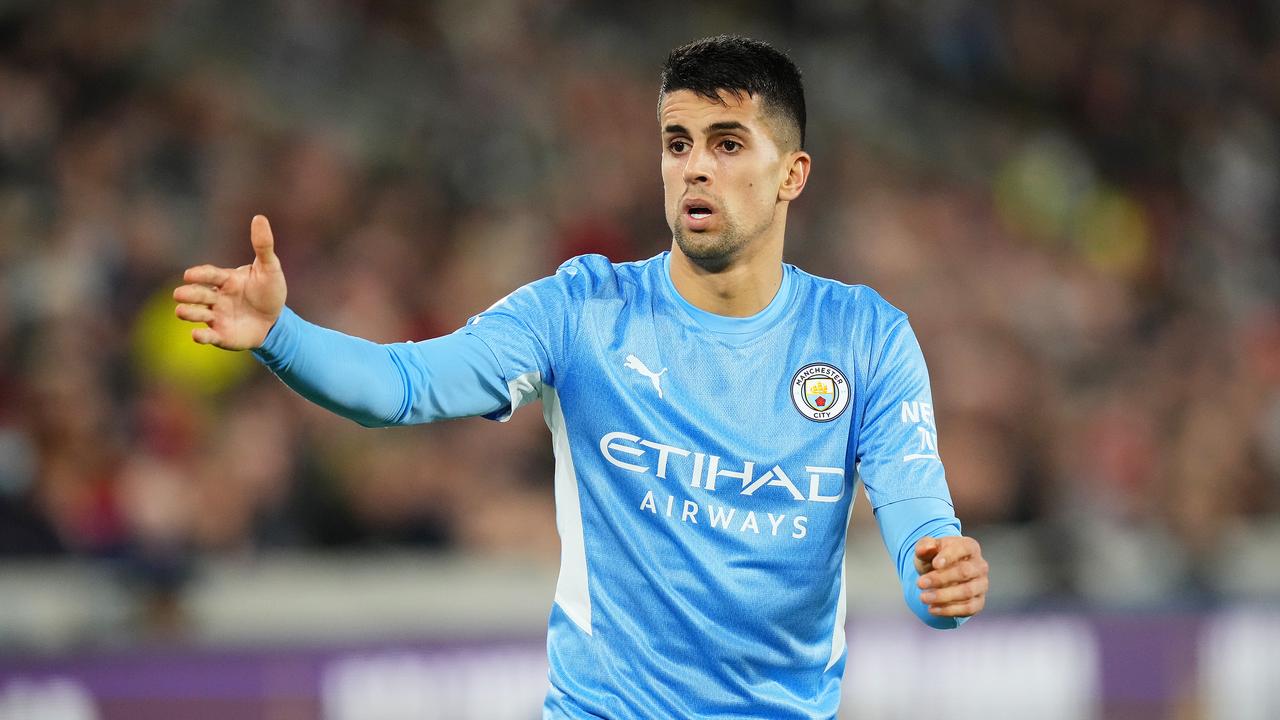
(798, 162)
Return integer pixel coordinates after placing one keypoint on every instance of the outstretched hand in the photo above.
(953, 576)
(237, 305)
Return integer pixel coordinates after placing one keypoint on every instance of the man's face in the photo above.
(721, 170)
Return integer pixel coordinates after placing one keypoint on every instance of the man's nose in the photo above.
(698, 166)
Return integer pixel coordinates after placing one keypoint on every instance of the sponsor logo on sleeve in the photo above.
(924, 443)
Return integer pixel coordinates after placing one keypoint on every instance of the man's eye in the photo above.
(678, 146)
(731, 145)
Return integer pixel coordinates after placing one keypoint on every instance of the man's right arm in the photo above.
(243, 308)
(499, 361)
(379, 385)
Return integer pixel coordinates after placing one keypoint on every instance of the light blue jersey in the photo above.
(705, 472)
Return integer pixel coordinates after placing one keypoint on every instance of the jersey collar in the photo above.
(724, 324)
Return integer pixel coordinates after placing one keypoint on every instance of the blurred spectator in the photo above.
(1079, 203)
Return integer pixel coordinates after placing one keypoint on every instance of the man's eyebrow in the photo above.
(721, 126)
(728, 125)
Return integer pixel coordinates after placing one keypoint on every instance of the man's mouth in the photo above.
(698, 210)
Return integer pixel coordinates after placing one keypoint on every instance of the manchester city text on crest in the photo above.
(820, 392)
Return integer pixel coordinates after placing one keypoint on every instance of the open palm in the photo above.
(238, 306)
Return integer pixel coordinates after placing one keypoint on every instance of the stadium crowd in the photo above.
(1077, 202)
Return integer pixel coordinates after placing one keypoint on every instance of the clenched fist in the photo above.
(953, 576)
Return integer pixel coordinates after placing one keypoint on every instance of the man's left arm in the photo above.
(943, 573)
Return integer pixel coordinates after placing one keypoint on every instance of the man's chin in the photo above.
(709, 251)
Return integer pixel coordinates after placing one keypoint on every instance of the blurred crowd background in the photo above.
(1078, 202)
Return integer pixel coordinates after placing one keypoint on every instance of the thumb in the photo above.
(926, 548)
(264, 243)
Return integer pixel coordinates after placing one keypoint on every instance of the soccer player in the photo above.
(709, 408)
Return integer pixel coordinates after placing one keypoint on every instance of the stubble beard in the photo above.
(711, 252)
(714, 252)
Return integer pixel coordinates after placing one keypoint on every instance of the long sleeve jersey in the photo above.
(706, 467)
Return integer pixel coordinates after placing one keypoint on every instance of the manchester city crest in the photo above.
(820, 392)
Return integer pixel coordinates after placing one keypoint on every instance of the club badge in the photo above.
(820, 392)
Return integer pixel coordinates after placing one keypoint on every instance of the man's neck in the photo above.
(742, 289)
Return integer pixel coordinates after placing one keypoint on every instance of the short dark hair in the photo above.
(738, 64)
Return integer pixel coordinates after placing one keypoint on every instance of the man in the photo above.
(708, 408)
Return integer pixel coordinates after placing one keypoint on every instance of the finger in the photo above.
(963, 571)
(964, 608)
(954, 549)
(264, 243)
(199, 294)
(207, 275)
(194, 313)
(955, 593)
(206, 336)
